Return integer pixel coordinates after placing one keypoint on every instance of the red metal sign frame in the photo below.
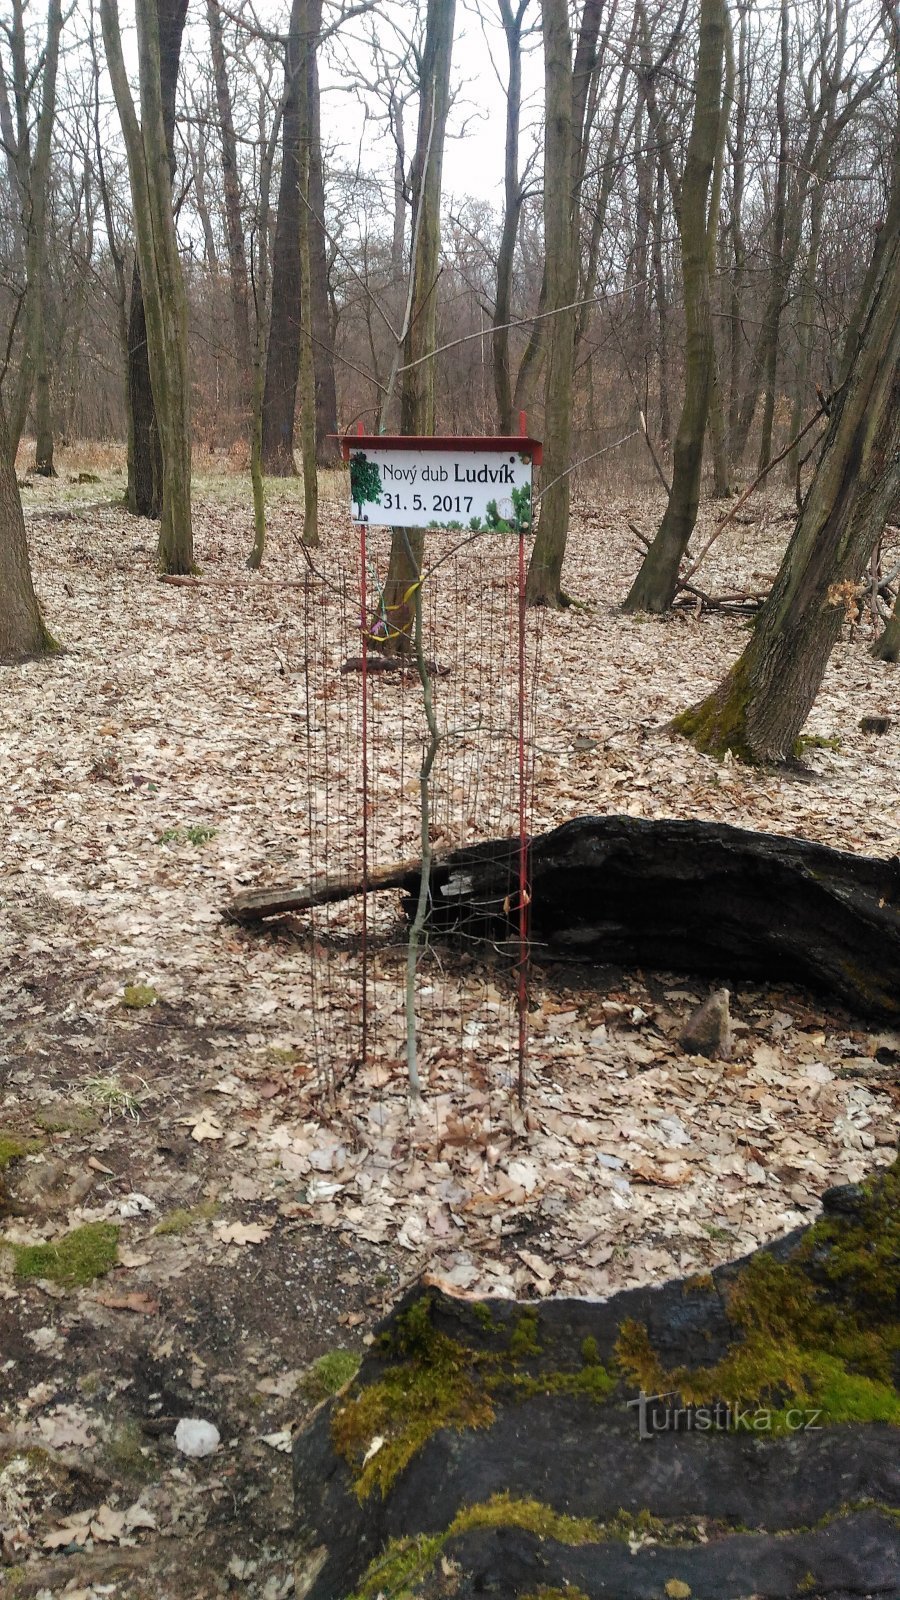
(487, 443)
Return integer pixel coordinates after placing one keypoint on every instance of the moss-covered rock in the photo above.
(818, 1329)
(502, 1448)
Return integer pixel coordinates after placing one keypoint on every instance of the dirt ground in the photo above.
(161, 1070)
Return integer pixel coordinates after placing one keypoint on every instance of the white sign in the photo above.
(480, 490)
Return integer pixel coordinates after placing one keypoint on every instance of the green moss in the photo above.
(183, 1219)
(13, 1148)
(817, 1330)
(484, 1315)
(719, 723)
(590, 1351)
(700, 1283)
(330, 1373)
(523, 1341)
(593, 1382)
(124, 1451)
(78, 1258)
(63, 1118)
(436, 1382)
(568, 1593)
(137, 996)
(434, 1387)
(815, 741)
(399, 1571)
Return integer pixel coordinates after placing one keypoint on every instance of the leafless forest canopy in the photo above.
(810, 96)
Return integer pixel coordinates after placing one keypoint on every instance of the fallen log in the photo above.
(683, 896)
(721, 1436)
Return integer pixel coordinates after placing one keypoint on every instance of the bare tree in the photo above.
(654, 587)
(760, 707)
(162, 279)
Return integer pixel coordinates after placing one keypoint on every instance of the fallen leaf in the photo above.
(242, 1232)
(206, 1128)
(142, 1303)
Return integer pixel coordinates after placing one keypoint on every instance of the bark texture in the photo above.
(655, 586)
(560, 243)
(164, 299)
(417, 410)
(145, 465)
(696, 896)
(22, 631)
(237, 255)
(762, 704)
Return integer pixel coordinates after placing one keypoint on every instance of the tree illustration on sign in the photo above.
(365, 482)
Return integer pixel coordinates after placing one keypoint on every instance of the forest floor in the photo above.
(193, 1085)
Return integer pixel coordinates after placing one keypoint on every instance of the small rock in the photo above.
(875, 724)
(707, 1031)
(844, 1200)
(194, 1437)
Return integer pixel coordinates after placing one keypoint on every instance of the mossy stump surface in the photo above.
(730, 1434)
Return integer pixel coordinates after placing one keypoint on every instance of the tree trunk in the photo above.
(234, 227)
(655, 586)
(545, 567)
(887, 646)
(283, 355)
(31, 188)
(307, 374)
(144, 491)
(328, 450)
(145, 467)
(417, 407)
(22, 631)
(780, 267)
(164, 300)
(760, 707)
(512, 207)
(41, 409)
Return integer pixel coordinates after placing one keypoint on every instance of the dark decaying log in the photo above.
(677, 895)
(498, 1448)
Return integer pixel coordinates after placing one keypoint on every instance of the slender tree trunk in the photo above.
(718, 434)
(738, 270)
(806, 332)
(145, 472)
(655, 586)
(887, 647)
(512, 207)
(545, 567)
(22, 631)
(145, 466)
(41, 408)
(231, 189)
(32, 187)
(780, 268)
(308, 387)
(328, 450)
(283, 355)
(662, 303)
(760, 707)
(164, 299)
(417, 404)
